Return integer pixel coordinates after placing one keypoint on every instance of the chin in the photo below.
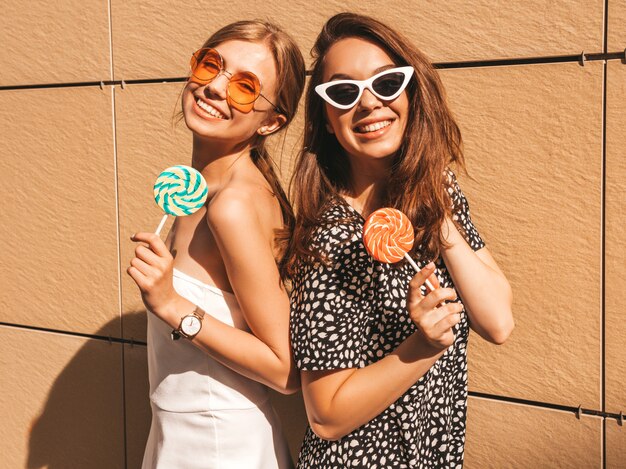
(382, 151)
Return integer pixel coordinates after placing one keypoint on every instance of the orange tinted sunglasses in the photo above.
(243, 88)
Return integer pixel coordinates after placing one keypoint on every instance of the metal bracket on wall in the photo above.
(123, 84)
(579, 412)
(582, 59)
(620, 419)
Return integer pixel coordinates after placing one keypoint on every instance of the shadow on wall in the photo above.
(82, 422)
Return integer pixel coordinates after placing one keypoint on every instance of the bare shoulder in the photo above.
(244, 204)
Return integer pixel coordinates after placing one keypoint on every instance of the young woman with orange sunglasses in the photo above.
(215, 282)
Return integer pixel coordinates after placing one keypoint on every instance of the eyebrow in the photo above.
(343, 76)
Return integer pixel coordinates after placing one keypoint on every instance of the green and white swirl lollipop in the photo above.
(179, 190)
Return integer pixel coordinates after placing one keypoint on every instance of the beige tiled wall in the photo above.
(615, 444)
(615, 239)
(78, 162)
(61, 400)
(60, 42)
(533, 139)
(616, 31)
(505, 435)
(59, 230)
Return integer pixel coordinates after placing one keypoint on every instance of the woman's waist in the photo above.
(201, 385)
(184, 377)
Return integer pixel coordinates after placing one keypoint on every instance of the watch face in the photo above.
(190, 325)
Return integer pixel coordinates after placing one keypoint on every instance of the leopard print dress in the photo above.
(352, 313)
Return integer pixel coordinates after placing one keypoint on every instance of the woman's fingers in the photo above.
(143, 267)
(434, 322)
(432, 281)
(415, 294)
(431, 314)
(437, 297)
(151, 261)
(146, 254)
(155, 243)
(139, 278)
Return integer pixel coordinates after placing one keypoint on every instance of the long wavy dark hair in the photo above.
(290, 73)
(419, 171)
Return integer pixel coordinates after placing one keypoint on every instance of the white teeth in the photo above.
(374, 127)
(210, 109)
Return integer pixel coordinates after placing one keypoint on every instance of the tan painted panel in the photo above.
(617, 26)
(59, 232)
(533, 145)
(446, 31)
(505, 435)
(138, 414)
(615, 444)
(68, 42)
(61, 409)
(615, 239)
(148, 141)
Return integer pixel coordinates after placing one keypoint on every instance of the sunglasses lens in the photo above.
(388, 85)
(205, 64)
(244, 88)
(343, 93)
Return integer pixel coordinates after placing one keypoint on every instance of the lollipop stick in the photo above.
(158, 230)
(417, 269)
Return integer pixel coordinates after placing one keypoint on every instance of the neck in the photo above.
(368, 183)
(217, 160)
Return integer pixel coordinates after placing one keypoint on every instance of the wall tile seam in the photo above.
(603, 313)
(580, 59)
(111, 339)
(578, 412)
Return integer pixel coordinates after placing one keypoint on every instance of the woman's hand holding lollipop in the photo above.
(389, 236)
(179, 191)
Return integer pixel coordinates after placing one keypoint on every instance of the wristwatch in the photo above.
(189, 325)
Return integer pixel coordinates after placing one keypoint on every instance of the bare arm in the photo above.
(482, 286)
(339, 401)
(263, 355)
(253, 274)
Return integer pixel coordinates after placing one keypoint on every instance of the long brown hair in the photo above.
(432, 142)
(290, 73)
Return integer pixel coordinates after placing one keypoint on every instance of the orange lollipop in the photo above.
(388, 236)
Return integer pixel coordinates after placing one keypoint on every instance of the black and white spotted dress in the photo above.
(353, 313)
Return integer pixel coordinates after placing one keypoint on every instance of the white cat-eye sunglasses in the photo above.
(386, 85)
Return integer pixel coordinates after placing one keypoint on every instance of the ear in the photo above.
(271, 126)
(329, 129)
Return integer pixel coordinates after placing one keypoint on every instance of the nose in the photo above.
(217, 87)
(368, 100)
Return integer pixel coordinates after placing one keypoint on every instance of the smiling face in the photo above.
(373, 128)
(206, 108)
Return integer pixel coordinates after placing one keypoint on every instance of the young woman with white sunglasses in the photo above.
(218, 322)
(382, 360)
